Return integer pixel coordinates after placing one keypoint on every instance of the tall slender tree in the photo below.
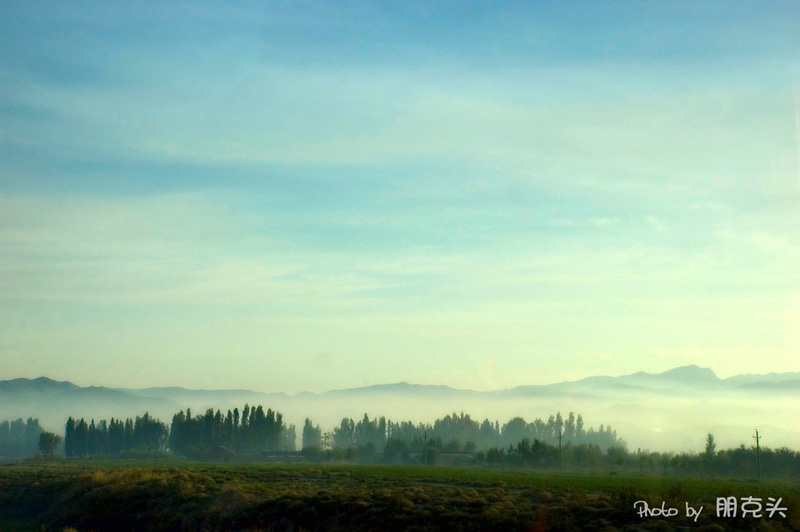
(69, 438)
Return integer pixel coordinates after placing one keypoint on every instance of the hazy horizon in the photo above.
(667, 414)
(284, 197)
(379, 384)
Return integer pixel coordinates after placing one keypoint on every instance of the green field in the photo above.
(115, 495)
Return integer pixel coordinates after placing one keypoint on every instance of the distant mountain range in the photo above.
(633, 401)
(682, 378)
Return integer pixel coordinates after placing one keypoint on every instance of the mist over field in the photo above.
(668, 412)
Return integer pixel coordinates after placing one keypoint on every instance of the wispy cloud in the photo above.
(401, 187)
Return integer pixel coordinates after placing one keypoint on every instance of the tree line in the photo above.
(455, 433)
(737, 462)
(200, 436)
(116, 437)
(212, 433)
(741, 461)
(257, 430)
(19, 438)
(558, 442)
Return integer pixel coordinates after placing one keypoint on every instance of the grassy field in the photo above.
(114, 495)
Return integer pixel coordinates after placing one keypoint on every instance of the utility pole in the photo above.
(425, 447)
(758, 455)
(559, 450)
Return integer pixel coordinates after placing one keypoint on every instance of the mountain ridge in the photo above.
(686, 376)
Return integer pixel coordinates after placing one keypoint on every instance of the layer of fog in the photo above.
(656, 422)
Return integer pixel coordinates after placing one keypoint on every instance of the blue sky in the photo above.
(305, 196)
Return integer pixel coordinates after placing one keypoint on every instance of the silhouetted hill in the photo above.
(53, 402)
(209, 397)
(401, 388)
(40, 385)
(690, 374)
(787, 385)
(748, 378)
(685, 378)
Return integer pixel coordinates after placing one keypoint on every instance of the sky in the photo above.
(288, 196)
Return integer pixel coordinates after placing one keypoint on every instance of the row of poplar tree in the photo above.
(115, 437)
(254, 430)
